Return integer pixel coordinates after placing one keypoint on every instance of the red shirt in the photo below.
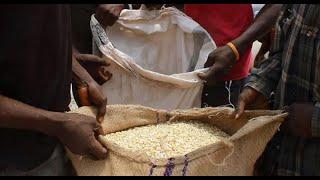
(225, 22)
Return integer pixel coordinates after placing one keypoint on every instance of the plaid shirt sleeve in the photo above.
(266, 78)
(315, 124)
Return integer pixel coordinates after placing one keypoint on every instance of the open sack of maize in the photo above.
(193, 142)
(155, 57)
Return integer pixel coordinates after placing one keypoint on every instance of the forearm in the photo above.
(265, 20)
(17, 115)
(263, 9)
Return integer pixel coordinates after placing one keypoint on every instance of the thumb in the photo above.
(210, 73)
(102, 109)
(240, 108)
(111, 19)
(203, 76)
(104, 74)
(97, 150)
(92, 58)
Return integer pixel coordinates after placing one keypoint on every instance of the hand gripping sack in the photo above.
(155, 57)
(236, 155)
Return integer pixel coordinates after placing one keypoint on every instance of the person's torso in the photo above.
(35, 68)
(81, 31)
(300, 45)
(225, 22)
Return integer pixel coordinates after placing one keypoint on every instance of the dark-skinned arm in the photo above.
(75, 131)
(265, 20)
(89, 91)
(223, 58)
(17, 115)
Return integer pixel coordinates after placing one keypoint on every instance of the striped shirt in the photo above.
(293, 72)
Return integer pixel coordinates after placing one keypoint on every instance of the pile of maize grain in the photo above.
(167, 140)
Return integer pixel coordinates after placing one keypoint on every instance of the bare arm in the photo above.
(89, 92)
(223, 58)
(263, 23)
(79, 73)
(75, 131)
(17, 115)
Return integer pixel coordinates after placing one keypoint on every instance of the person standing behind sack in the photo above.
(292, 72)
(107, 15)
(37, 63)
(80, 18)
(233, 29)
(82, 35)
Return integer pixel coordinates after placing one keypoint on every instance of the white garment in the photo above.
(155, 57)
(256, 8)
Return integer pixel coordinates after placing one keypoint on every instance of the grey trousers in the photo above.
(57, 165)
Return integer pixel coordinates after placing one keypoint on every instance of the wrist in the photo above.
(82, 82)
(234, 50)
(80, 75)
(241, 44)
(88, 81)
(54, 123)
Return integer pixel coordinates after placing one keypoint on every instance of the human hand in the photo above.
(78, 133)
(247, 97)
(154, 6)
(95, 66)
(108, 14)
(220, 62)
(92, 95)
(298, 123)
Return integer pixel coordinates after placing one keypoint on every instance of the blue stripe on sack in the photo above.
(186, 164)
(170, 167)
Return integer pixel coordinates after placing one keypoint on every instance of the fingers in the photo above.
(97, 150)
(98, 98)
(99, 15)
(104, 74)
(210, 76)
(116, 11)
(107, 15)
(92, 58)
(102, 109)
(240, 108)
(205, 76)
(209, 63)
(98, 129)
(247, 96)
(84, 96)
(110, 19)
